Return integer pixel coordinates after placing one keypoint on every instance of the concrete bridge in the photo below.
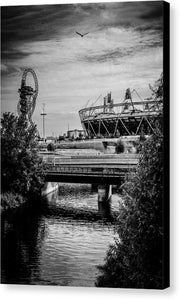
(99, 169)
(103, 170)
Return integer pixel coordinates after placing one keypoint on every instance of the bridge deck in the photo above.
(111, 170)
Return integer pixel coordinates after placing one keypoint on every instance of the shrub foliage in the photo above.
(135, 260)
(22, 169)
(51, 147)
(119, 146)
(11, 200)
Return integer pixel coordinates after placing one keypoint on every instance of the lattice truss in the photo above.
(122, 119)
(27, 102)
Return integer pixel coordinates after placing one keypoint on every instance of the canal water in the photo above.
(60, 241)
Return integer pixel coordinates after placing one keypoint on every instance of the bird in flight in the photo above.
(82, 34)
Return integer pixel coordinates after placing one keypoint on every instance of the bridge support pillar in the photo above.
(94, 187)
(104, 200)
(104, 193)
(49, 187)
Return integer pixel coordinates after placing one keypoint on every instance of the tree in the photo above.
(119, 148)
(22, 169)
(61, 138)
(80, 136)
(135, 260)
(51, 147)
(157, 89)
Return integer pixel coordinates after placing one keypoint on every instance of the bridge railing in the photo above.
(94, 171)
(54, 160)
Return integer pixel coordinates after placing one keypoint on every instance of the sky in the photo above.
(123, 49)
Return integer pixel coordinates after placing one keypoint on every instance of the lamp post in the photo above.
(43, 114)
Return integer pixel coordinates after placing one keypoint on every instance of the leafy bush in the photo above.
(51, 147)
(136, 258)
(11, 200)
(119, 146)
(22, 169)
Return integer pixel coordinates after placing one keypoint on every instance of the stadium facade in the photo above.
(127, 118)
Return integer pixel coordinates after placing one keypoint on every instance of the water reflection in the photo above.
(22, 236)
(104, 209)
(60, 241)
(81, 201)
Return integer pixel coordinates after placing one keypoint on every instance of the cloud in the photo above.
(111, 56)
(155, 11)
(13, 54)
(123, 49)
(41, 22)
(38, 22)
(4, 68)
(115, 56)
(8, 70)
(155, 27)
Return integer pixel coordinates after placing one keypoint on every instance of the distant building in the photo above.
(76, 134)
